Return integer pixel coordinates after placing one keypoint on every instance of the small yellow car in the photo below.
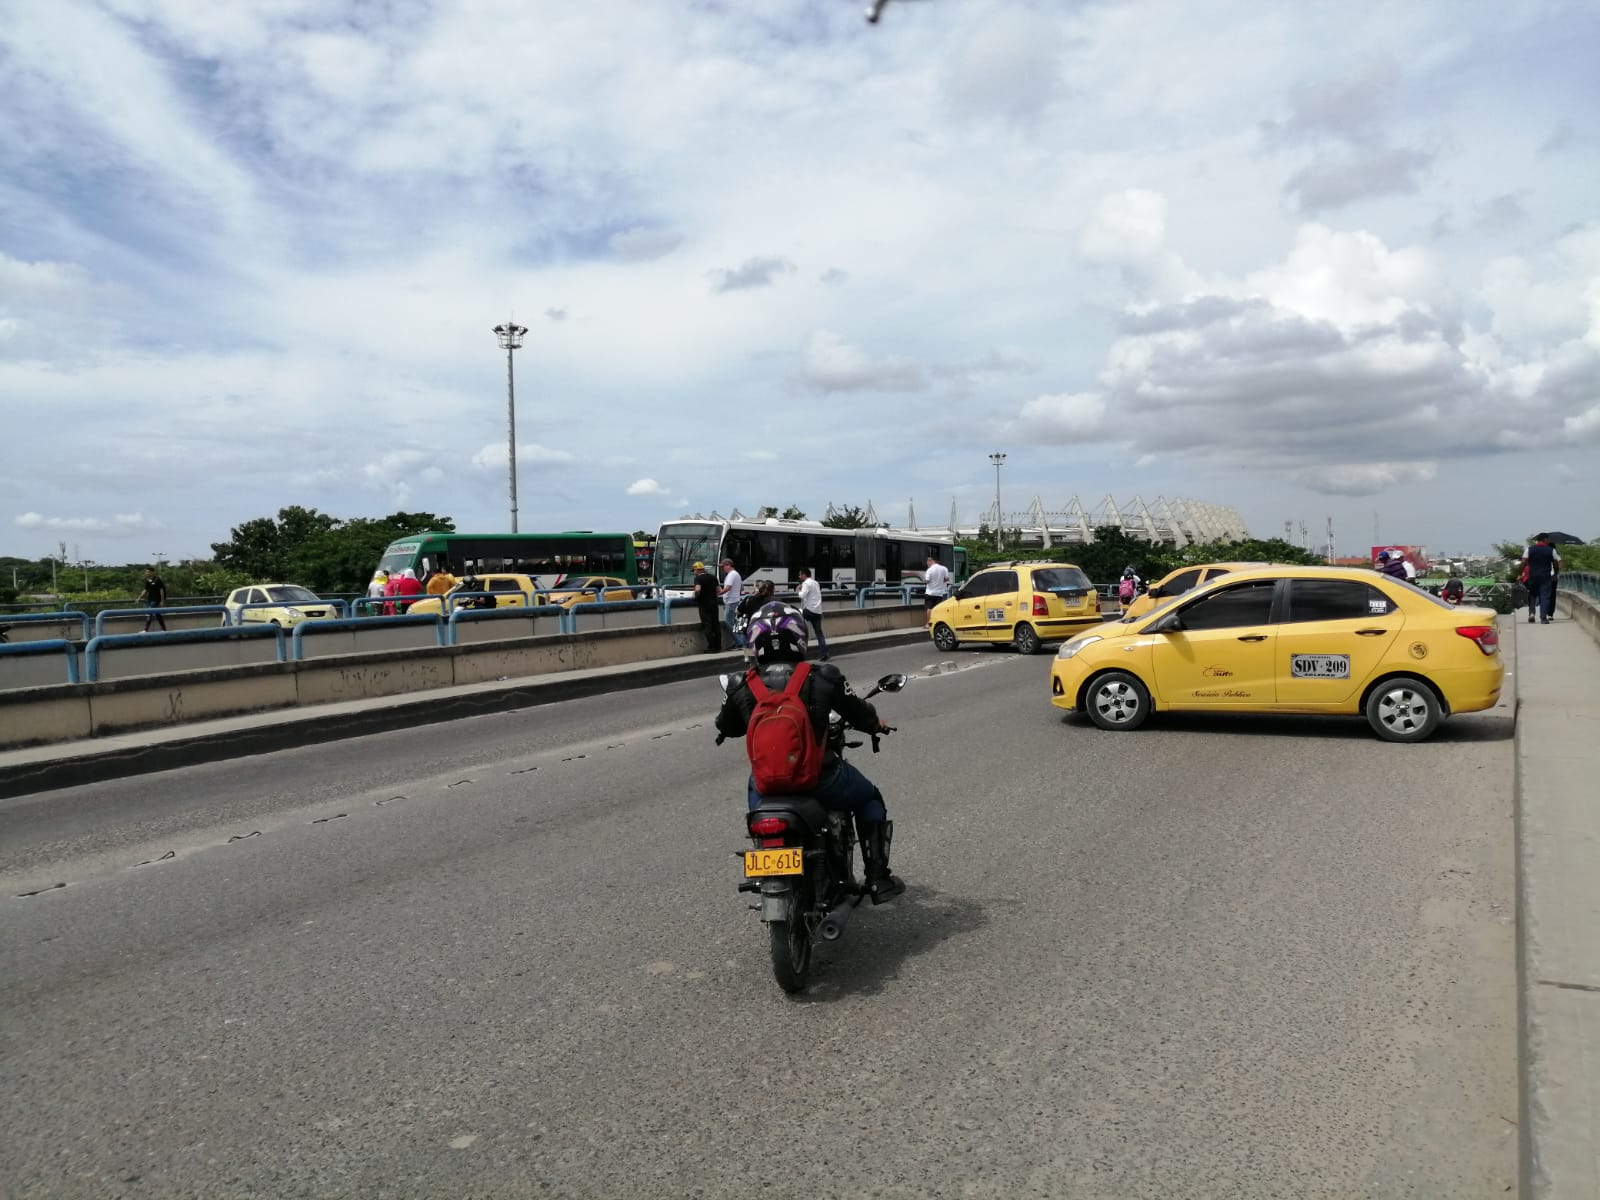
(1289, 639)
(290, 604)
(586, 589)
(1176, 583)
(1024, 603)
(510, 591)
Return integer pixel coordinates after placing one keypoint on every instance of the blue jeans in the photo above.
(1542, 597)
(841, 788)
(729, 616)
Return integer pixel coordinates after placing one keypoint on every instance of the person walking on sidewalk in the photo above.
(811, 609)
(1543, 562)
(154, 596)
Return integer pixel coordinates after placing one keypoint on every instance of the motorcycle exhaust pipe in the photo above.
(833, 925)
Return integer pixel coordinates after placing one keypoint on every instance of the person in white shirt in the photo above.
(811, 609)
(731, 590)
(935, 583)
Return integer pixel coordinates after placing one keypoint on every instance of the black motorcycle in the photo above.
(803, 865)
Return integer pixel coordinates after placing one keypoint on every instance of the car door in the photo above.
(1217, 649)
(508, 593)
(615, 589)
(1000, 607)
(967, 615)
(1332, 636)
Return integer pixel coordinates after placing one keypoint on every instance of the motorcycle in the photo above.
(802, 865)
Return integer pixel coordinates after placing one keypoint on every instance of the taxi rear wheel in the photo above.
(1117, 700)
(1404, 710)
(1027, 639)
(944, 637)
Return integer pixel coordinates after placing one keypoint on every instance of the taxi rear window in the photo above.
(1061, 579)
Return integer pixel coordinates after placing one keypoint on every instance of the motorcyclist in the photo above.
(778, 634)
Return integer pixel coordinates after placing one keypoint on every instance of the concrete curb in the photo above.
(62, 765)
(1558, 905)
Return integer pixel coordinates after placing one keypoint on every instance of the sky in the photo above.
(1308, 261)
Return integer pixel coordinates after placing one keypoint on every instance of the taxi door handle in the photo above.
(1371, 632)
(1252, 637)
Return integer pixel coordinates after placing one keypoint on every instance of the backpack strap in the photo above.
(801, 672)
(758, 689)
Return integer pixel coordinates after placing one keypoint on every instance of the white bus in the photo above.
(775, 549)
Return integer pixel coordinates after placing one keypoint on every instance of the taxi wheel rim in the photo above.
(1116, 702)
(944, 637)
(1403, 710)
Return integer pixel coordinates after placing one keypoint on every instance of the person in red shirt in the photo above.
(408, 589)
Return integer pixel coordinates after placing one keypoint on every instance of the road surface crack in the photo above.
(1570, 987)
(170, 854)
(50, 887)
(239, 837)
(325, 820)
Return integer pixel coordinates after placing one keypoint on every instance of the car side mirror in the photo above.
(1171, 623)
(1155, 591)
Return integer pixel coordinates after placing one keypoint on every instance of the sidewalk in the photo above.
(91, 760)
(1558, 905)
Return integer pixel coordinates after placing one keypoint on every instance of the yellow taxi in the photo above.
(282, 604)
(587, 589)
(1184, 579)
(510, 591)
(1024, 603)
(1286, 639)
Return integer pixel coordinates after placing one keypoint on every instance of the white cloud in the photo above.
(1364, 479)
(120, 525)
(646, 487)
(492, 457)
(832, 364)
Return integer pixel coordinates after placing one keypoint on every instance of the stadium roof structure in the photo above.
(1177, 522)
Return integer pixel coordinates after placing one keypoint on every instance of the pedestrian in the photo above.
(1543, 561)
(1391, 564)
(375, 588)
(1128, 586)
(706, 603)
(731, 591)
(391, 589)
(408, 589)
(441, 581)
(811, 609)
(154, 596)
(935, 584)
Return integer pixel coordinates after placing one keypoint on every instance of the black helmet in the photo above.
(777, 633)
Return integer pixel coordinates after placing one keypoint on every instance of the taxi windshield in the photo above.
(290, 594)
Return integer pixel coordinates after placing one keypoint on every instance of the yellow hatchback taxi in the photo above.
(1184, 579)
(1024, 603)
(510, 591)
(1289, 640)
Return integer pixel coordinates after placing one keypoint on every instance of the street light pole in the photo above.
(999, 521)
(510, 335)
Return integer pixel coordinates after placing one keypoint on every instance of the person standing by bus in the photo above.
(705, 600)
(811, 609)
(731, 591)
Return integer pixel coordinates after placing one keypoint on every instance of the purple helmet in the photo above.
(777, 633)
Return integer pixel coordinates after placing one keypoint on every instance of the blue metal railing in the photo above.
(473, 615)
(297, 636)
(151, 613)
(45, 646)
(111, 641)
(1586, 583)
(64, 617)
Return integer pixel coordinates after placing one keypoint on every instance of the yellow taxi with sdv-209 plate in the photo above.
(1289, 640)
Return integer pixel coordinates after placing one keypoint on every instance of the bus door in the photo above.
(869, 559)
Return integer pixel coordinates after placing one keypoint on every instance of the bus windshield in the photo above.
(680, 545)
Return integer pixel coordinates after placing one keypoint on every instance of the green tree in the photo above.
(793, 513)
(848, 517)
(320, 551)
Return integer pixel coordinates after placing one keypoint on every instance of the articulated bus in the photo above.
(775, 549)
(548, 557)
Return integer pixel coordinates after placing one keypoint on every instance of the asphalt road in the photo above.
(505, 957)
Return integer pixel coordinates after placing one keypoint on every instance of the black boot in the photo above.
(876, 837)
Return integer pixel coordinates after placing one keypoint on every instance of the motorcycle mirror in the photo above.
(893, 683)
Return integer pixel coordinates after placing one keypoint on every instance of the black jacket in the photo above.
(825, 690)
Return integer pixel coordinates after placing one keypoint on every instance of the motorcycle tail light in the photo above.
(767, 826)
(1041, 607)
(1486, 636)
(768, 843)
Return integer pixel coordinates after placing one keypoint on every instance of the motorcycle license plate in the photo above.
(790, 860)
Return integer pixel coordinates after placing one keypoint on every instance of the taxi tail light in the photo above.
(1041, 607)
(1486, 636)
(768, 826)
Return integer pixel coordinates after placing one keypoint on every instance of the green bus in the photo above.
(548, 557)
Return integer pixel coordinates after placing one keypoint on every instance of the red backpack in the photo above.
(785, 751)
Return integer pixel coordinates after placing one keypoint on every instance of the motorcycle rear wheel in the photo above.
(790, 942)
